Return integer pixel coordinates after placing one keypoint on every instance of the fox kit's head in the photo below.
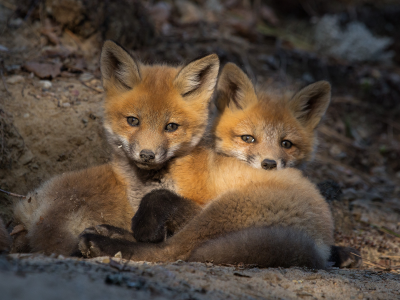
(155, 112)
(265, 130)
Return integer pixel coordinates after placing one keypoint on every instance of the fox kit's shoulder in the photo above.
(266, 129)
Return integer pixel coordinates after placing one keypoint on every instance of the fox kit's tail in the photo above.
(5, 240)
(264, 246)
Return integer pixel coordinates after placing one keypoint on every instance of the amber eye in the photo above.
(248, 139)
(286, 144)
(133, 121)
(171, 127)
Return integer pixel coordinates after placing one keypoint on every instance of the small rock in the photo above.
(66, 104)
(118, 254)
(11, 68)
(106, 260)
(45, 84)
(26, 115)
(86, 77)
(3, 48)
(44, 70)
(15, 79)
(190, 12)
(26, 157)
(16, 22)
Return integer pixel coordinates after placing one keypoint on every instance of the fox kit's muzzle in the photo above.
(147, 156)
(268, 164)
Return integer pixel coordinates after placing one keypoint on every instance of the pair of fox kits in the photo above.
(155, 121)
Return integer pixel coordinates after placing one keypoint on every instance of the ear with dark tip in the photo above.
(198, 78)
(310, 104)
(118, 68)
(234, 89)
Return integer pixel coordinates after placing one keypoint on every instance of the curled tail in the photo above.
(264, 246)
(5, 239)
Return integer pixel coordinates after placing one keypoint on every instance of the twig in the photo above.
(12, 194)
(8, 5)
(76, 40)
(368, 262)
(390, 256)
(92, 88)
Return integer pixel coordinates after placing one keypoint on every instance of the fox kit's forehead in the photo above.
(154, 94)
(158, 76)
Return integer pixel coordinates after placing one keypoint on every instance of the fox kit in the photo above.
(153, 114)
(267, 130)
(234, 203)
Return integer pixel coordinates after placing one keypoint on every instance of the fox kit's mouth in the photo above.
(148, 166)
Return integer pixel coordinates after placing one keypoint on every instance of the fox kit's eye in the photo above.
(248, 139)
(132, 121)
(286, 144)
(171, 127)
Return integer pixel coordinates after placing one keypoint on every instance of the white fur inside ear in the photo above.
(199, 76)
(118, 67)
(235, 89)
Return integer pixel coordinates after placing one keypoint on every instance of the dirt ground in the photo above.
(65, 278)
(49, 129)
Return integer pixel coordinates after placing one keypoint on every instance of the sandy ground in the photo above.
(37, 277)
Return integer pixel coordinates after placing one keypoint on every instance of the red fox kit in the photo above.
(153, 114)
(267, 130)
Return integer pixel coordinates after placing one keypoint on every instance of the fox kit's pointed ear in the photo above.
(118, 68)
(310, 104)
(198, 77)
(234, 89)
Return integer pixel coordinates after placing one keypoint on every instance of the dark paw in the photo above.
(93, 245)
(345, 257)
(162, 213)
(149, 222)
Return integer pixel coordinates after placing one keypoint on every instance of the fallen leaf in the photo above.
(17, 229)
(15, 79)
(40, 220)
(44, 70)
(268, 14)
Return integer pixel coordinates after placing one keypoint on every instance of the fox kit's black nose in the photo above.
(268, 164)
(147, 155)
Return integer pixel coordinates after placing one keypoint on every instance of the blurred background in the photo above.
(51, 94)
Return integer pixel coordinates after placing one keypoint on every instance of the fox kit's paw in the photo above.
(161, 213)
(345, 257)
(110, 231)
(94, 245)
(149, 224)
